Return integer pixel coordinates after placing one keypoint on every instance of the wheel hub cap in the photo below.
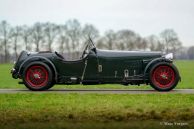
(164, 76)
(36, 76)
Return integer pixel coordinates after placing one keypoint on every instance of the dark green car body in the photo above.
(97, 67)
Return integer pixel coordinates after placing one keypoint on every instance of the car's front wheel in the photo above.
(38, 77)
(164, 77)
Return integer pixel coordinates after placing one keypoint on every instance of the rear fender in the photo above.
(38, 59)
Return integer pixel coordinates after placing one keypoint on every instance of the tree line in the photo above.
(71, 36)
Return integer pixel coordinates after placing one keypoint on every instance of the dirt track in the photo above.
(101, 91)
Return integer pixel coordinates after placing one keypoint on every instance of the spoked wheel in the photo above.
(164, 77)
(38, 77)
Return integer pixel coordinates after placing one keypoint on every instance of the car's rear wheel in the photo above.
(164, 77)
(38, 77)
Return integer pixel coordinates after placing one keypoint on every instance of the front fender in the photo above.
(153, 62)
(40, 59)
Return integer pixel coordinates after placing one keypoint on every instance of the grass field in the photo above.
(55, 110)
(16, 109)
(186, 69)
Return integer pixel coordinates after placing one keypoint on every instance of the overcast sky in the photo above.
(145, 17)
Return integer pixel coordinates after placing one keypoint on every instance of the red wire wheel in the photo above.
(164, 77)
(37, 76)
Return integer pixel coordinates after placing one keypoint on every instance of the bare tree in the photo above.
(170, 40)
(26, 36)
(90, 30)
(50, 31)
(74, 32)
(141, 43)
(126, 39)
(37, 35)
(15, 35)
(100, 43)
(109, 40)
(154, 43)
(63, 39)
(74, 36)
(5, 30)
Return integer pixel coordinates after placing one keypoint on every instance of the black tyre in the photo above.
(164, 76)
(38, 77)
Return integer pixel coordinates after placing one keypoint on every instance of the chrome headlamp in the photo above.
(169, 56)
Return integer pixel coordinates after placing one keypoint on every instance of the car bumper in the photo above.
(14, 73)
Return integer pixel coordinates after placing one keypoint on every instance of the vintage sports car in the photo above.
(41, 70)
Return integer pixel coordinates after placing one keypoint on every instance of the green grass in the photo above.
(186, 69)
(98, 108)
